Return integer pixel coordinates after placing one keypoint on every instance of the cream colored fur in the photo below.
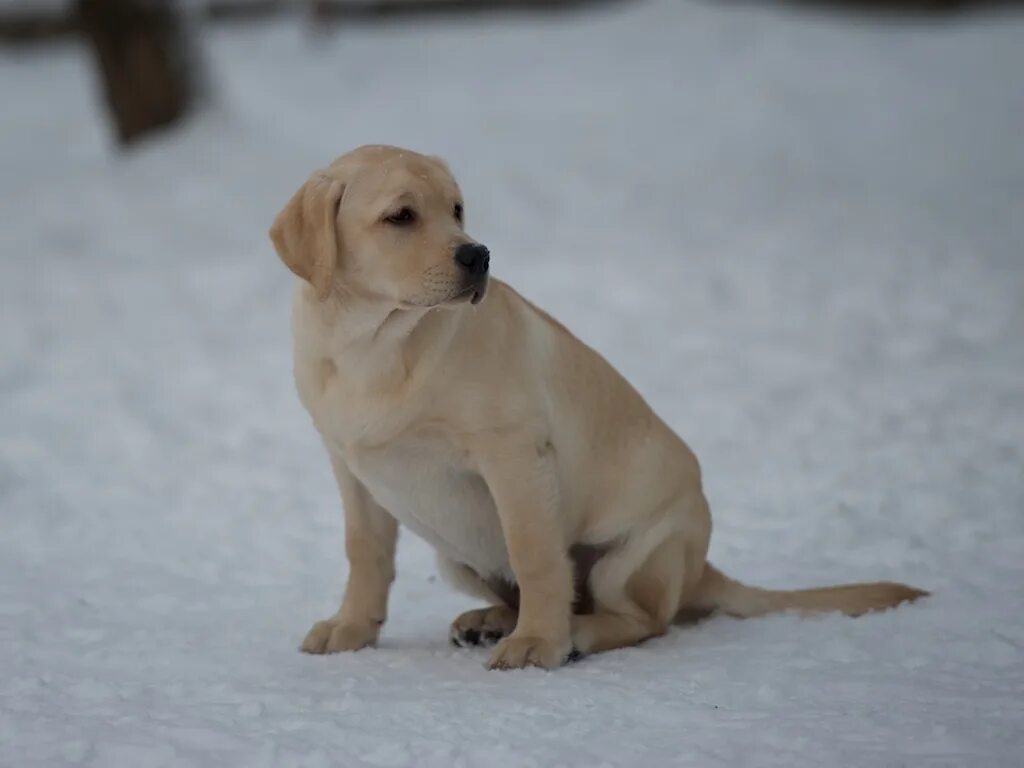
(489, 430)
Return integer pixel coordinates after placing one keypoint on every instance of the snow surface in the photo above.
(800, 237)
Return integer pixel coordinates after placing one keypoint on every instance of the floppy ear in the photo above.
(305, 232)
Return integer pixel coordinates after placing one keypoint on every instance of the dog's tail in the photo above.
(717, 592)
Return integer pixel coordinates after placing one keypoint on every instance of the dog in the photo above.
(452, 405)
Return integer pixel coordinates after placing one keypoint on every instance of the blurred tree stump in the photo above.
(145, 62)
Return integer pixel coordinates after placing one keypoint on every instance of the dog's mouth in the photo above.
(474, 294)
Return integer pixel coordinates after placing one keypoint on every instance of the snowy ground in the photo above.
(802, 239)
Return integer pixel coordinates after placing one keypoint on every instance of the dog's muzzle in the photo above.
(474, 261)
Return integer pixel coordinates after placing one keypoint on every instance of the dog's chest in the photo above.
(423, 483)
(418, 475)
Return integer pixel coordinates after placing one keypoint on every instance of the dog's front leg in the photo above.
(521, 477)
(370, 535)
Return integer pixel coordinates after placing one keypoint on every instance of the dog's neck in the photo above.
(382, 345)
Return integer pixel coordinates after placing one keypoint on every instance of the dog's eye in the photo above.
(458, 212)
(402, 217)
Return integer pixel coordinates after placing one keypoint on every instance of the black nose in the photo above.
(474, 258)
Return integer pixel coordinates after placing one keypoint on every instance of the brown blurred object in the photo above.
(143, 57)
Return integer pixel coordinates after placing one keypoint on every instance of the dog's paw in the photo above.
(518, 652)
(334, 635)
(483, 626)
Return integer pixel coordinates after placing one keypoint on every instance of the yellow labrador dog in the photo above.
(450, 404)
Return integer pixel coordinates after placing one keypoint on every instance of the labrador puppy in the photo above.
(449, 403)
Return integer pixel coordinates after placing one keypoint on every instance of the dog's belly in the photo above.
(422, 486)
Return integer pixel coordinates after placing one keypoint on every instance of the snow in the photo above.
(799, 236)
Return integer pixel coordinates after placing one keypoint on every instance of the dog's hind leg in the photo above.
(632, 607)
(480, 626)
(483, 626)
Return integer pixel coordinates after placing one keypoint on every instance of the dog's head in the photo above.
(384, 224)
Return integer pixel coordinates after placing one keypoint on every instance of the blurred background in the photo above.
(796, 227)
